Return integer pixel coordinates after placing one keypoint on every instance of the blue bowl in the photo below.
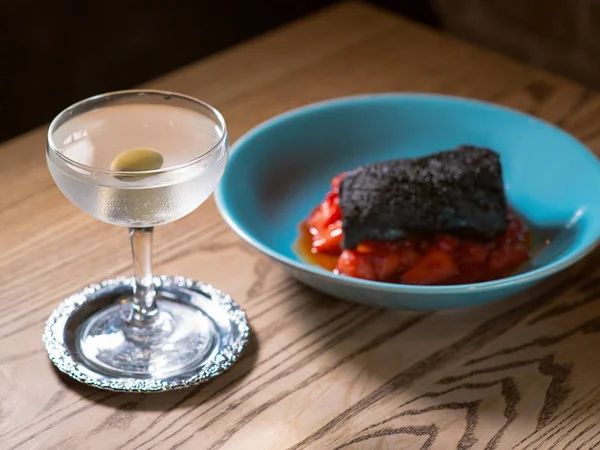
(280, 170)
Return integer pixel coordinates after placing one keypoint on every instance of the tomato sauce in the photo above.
(436, 260)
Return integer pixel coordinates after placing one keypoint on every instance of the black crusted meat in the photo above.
(459, 191)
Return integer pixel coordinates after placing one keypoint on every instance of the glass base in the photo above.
(178, 339)
(198, 332)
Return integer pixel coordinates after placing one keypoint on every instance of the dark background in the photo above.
(53, 53)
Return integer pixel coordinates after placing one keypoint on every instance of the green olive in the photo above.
(136, 160)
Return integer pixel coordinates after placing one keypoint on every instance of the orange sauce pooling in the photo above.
(304, 249)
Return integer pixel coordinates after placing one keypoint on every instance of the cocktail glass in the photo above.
(145, 333)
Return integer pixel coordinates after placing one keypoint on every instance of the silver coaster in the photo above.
(229, 332)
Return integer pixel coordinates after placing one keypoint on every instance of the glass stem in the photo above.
(144, 302)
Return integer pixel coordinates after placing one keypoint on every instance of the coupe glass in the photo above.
(156, 328)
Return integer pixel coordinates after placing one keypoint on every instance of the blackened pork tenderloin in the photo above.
(459, 191)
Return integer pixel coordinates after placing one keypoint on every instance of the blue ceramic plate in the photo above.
(280, 171)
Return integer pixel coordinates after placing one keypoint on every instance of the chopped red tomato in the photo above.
(353, 264)
(469, 253)
(335, 183)
(434, 267)
(507, 258)
(377, 248)
(384, 266)
(446, 243)
(396, 261)
(325, 214)
(469, 273)
(408, 257)
(328, 240)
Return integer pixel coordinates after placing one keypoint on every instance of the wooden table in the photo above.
(319, 373)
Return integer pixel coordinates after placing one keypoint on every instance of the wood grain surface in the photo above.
(320, 373)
